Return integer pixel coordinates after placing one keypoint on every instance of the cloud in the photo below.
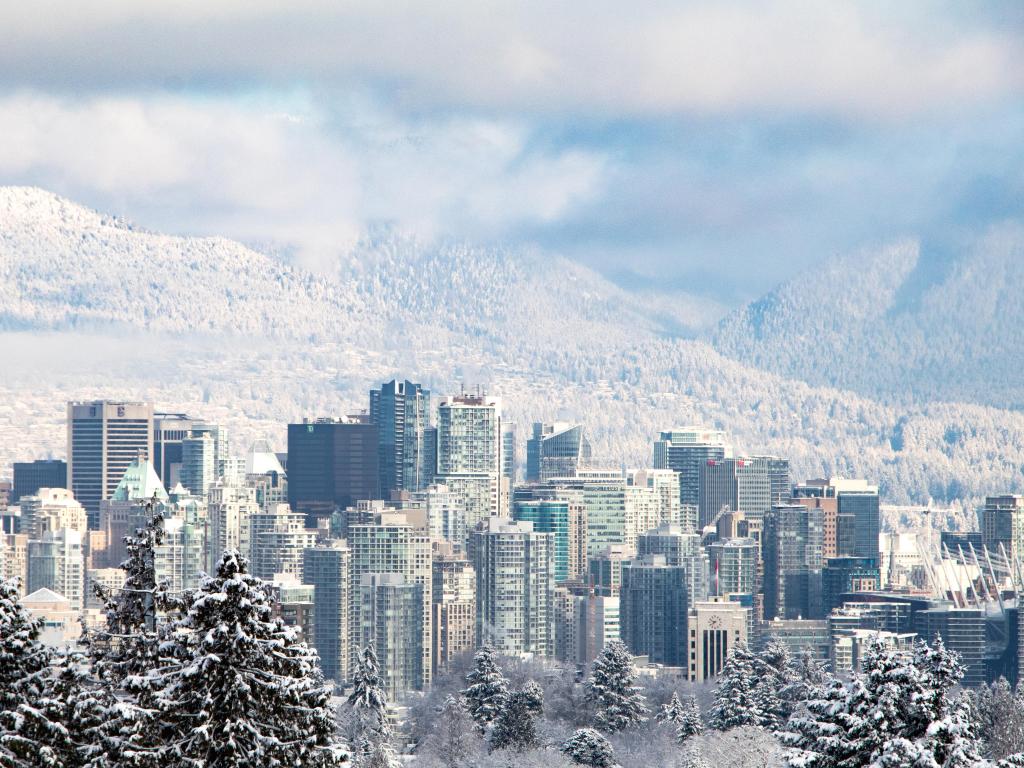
(249, 169)
(860, 60)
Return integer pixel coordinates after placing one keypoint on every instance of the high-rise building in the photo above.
(51, 509)
(679, 549)
(198, 464)
(665, 485)
(469, 453)
(686, 450)
(181, 556)
(332, 464)
(716, 628)
(57, 562)
(169, 430)
(30, 476)
(104, 438)
(843, 575)
(850, 509)
(392, 544)
(1002, 523)
(514, 584)
(509, 462)
(861, 507)
(792, 549)
(733, 566)
(327, 568)
(653, 606)
(454, 606)
(125, 510)
(597, 623)
(962, 630)
(566, 521)
(780, 486)
(734, 485)
(556, 450)
(391, 618)
(401, 411)
(278, 539)
(604, 570)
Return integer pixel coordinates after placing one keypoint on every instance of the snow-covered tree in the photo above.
(367, 705)
(620, 704)
(515, 727)
(672, 711)
(588, 747)
(22, 656)
(737, 701)
(772, 675)
(693, 758)
(488, 688)
(382, 755)
(534, 697)
(690, 722)
(453, 739)
(999, 714)
(239, 689)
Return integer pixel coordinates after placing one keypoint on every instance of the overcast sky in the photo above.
(713, 147)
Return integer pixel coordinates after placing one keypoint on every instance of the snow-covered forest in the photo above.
(251, 342)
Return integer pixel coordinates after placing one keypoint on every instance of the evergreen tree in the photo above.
(515, 727)
(671, 712)
(588, 747)
(693, 758)
(690, 722)
(620, 704)
(999, 714)
(453, 737)
(382, 756)
(772, 674)
(488, 688)
(239, 689)
(22, 657)
(737, 701)
(368, 703)
(534, 695)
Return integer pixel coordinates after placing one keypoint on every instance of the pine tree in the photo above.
(239, 689)
(772, 671)
(689, 723)
(534, 697)
(22, 657)
(737, 701)
(488, 688)
(620, 705)
(693, 758)
(515, 727)
(999, 714)
(381, 756)
(588, 747)
(368, 703)
(671, 712)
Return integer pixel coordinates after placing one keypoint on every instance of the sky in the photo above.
(705, 148)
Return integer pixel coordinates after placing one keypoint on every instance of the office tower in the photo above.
(391, 617)
(30, 476)
(664, 483)
(1002, 523)
(716, 628)
(604, 570)
(169, 430)
(181, 557)
(792, 551)
(407, 458)
(843, 575)
(278, 539)
(780, 486)
(686, 450)
(733, 566)
(332, 464)
(861, 507)
(653, 606)
(508, 452)
(453, 613)
(198, 464)
(681, 549)
(104, 438)
(469, 452)
(57, 562)
(962, 630)
(327, 567)
(51, 509)
(838, 536)
(596, 623)
(230, 509)
(392, 544)
(851, 514)
(566, 521)
(514, 583)
(556, 450)
(124, 511)
(733, 485)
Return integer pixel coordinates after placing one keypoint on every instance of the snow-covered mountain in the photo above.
(92, 307)
(910, 322)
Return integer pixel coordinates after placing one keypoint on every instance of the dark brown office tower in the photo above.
(332, 464)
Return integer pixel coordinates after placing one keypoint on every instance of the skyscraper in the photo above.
(565, 520)
(735, 485)
(653, 607)
(57, 561)
(1002, 523)
(30, 476)
(469, 452)
(169, 430)
(514, 584)
(454, 606)
(685, 450)
(733, 566)
(391, 618)
(556, 450)
(104, 438)
(679, 549)
(332, 464)
(401, 411)
(792, 544)
(198, 464)
(327, 567)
